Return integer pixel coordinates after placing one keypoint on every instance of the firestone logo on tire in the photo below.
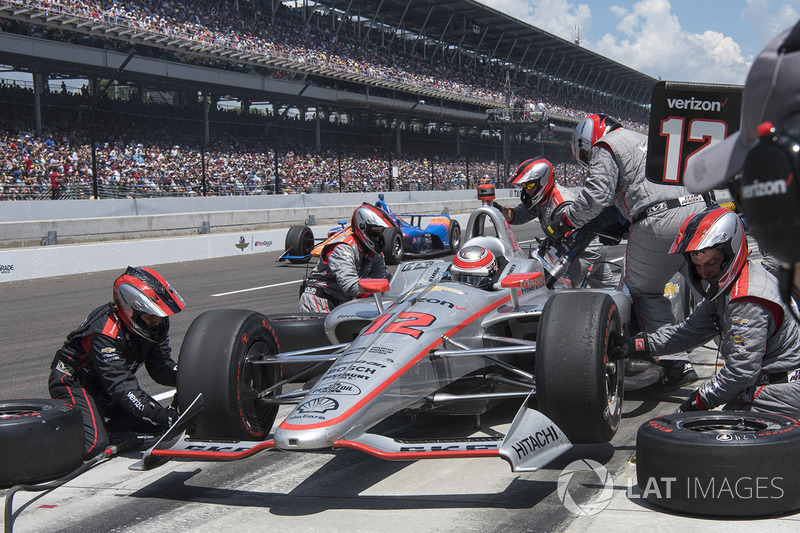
(595, 505)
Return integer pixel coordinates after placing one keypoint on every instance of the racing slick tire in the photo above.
(216, 359)
(299, 331)
(720, 463)
(576, 386)
(40, 439)
(393, 247)
(455, 236)
(299, 242)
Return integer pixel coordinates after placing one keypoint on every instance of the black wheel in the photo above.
(217, 358)
(40, 439)
(720, 463)
(576, 386)
(299, 242)
(299, 331)
(393, 246)
(455, 236)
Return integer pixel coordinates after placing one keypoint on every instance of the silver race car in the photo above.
(423, 343)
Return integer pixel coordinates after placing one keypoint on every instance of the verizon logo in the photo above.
(693, 104)
(759, 189)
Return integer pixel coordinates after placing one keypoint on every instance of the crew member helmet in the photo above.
(476, 266)
(369, 224)
(536, 178)
(141, 291)
(718, 228)
(588, 132)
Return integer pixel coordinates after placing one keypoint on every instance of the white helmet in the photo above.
(536, 177)
(588, 132)
(718, 228)
(476, 266)
(368, 225)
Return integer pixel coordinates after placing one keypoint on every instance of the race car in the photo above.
(442, 235)
(424, 343)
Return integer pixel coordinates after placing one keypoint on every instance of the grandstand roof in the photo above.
(474, 26)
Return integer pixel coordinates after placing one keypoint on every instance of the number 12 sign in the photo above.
(686, 118)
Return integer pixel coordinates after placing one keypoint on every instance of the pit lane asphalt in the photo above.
(330, 492)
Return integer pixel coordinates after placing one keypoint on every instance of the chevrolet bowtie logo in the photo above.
(670, 289)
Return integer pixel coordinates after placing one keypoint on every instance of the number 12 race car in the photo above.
(423, 344)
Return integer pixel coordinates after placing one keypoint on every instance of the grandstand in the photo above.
(329, 96)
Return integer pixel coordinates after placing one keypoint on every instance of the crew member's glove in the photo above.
(508, 213)
(693, 403)
(166, 417)
(620, 346)
(558, 229)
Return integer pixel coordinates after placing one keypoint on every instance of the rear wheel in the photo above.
(219, 358)
(577, 387)
(454, 236)
(299, 243)
(40, 440)
(393, 247)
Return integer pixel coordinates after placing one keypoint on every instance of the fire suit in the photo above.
(335, 278)
(594, 254)
(95, 370)
(760, 344)
(617, 177)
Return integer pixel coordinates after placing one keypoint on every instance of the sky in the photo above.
(706, 41)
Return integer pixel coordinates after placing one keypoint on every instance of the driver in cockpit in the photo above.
(477, 266)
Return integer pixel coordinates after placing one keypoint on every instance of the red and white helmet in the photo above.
(368, 226)
(588, 132)
(143, 291)
(536, 177)
(718, 228)
(474, 265)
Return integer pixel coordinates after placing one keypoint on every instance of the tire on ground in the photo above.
(575, 387)
(454, 235)
(720, 463)
(393, 247)
(299, 331)
(40, 440)
(215, 359)
(299, 242)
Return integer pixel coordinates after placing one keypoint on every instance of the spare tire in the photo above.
(40, 440)
(720, 463)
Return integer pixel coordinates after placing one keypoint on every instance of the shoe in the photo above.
(678, 374)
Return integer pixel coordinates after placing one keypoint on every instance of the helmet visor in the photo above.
(132, 299)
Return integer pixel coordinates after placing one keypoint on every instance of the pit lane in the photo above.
(342, 491)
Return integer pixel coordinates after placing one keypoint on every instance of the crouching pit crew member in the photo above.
(95, 368)
(759, 341)
(344, 262)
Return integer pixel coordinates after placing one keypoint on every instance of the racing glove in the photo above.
(558, 229)
(508, 213)
(166, 417)
(621, 346)
(693, 403)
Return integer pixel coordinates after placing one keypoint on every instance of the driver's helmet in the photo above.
(718, 228)
(141, 291)
(474, 265)
(536, 178)
(588, 132)
(369, 224)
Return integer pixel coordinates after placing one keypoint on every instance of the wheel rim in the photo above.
(397, 249)
(307, 242)
(725, 424)
(455, 240)
(252, 381)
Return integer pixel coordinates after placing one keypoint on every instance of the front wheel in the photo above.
(577, 387)
(720, 463)
(393, 247)
(299, 243)
(219, 358)
(454, 236)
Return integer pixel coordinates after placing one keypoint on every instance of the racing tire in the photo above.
(299, 331)
(299, 242)
(720, 463)
(40, 440)
(455, 236)
(576, 386)
(216, 359)
(393, 247)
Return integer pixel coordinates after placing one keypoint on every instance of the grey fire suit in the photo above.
(760, 344)
(335, 278)
(617, 177)
(593, 255)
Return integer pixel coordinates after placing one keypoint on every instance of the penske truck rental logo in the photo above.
(695, 104)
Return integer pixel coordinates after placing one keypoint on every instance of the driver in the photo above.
(344, 262)
(759, 341)
(95, 368)
(541, 198)
(477, 266)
